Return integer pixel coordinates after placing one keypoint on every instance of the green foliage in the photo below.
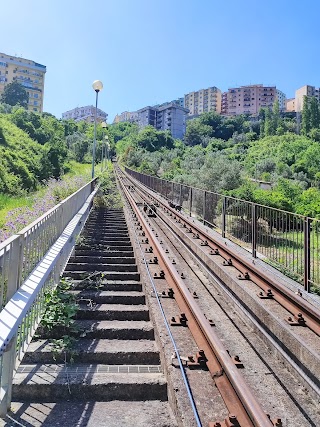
(309, 203)
(108, 195)
(15, 94)
(306, 116)
(21, 160)
(60, 308)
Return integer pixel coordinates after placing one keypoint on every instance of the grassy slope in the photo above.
(21, 159)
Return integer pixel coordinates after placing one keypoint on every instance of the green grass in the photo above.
(7, 203)
(79, 169)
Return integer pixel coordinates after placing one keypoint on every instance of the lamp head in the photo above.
(97, 85)
(104, 125)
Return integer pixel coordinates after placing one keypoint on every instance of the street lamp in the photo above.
(104, 126)
(97, 86)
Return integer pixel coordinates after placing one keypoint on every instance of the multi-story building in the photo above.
(249, 99)
(281, 97)
(224, 103)
(203, 100)
(126, 116)
(86, 114)
(310, 91)
(147, 116)
(290, 105)
(26, 72)
(170, 117)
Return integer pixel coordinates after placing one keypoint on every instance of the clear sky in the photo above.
(152, 51)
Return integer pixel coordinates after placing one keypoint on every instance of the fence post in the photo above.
(223, 219)
(254, 230)
(204, 206)
(8, 366)
(172, 191)
(307, 261)
(180, 195)
(190, 200)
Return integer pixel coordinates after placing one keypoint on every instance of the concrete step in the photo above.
(105, 253)
(110, 297)
(102, 259)
(92, 414)
(79, 275)
(100, 237)
(113, 312)
(102, 249)
(78, 266)
(105, 234)
(105, 243)
(107, 285)
(106, 228)
(54, 383)
(105, 329)
(103, 351)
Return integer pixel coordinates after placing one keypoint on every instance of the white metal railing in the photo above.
(30, 261)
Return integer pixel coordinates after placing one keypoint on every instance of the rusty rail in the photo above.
(237, 396)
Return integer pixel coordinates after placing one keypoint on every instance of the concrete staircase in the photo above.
(112, 376)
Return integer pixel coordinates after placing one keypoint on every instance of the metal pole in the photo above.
(102, 159)
(204, 201)
(307, 261)
(190, 201)
(224, 208)
(254, 230)
(95, 135)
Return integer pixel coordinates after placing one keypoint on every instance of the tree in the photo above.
(268, 124)
(276, 115)
(314, 113)
(15, 94)
(306, 116)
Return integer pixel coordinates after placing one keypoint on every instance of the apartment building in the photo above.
(249, 99)
(290, 105)
(85, 114)
(224, 103)
(171, 117)
(310, 91)
(281, 97)
(28, 73)
(126, 116)
(203, 100)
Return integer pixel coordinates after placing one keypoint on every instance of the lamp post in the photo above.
(104, 126)
(97, 86)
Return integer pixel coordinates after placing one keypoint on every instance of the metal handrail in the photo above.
(30, 262)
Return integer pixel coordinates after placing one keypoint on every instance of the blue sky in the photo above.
(151, 51)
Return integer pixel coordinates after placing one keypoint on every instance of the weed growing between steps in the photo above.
(60, 310)
(108, 195)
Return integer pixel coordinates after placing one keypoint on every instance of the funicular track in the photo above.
(293, 338)
(162, 341)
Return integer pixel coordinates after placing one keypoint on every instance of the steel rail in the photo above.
(166, 323)
(231, 384)
(284, 296)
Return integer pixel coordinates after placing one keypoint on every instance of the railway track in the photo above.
(176, 330)
(288, 325)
